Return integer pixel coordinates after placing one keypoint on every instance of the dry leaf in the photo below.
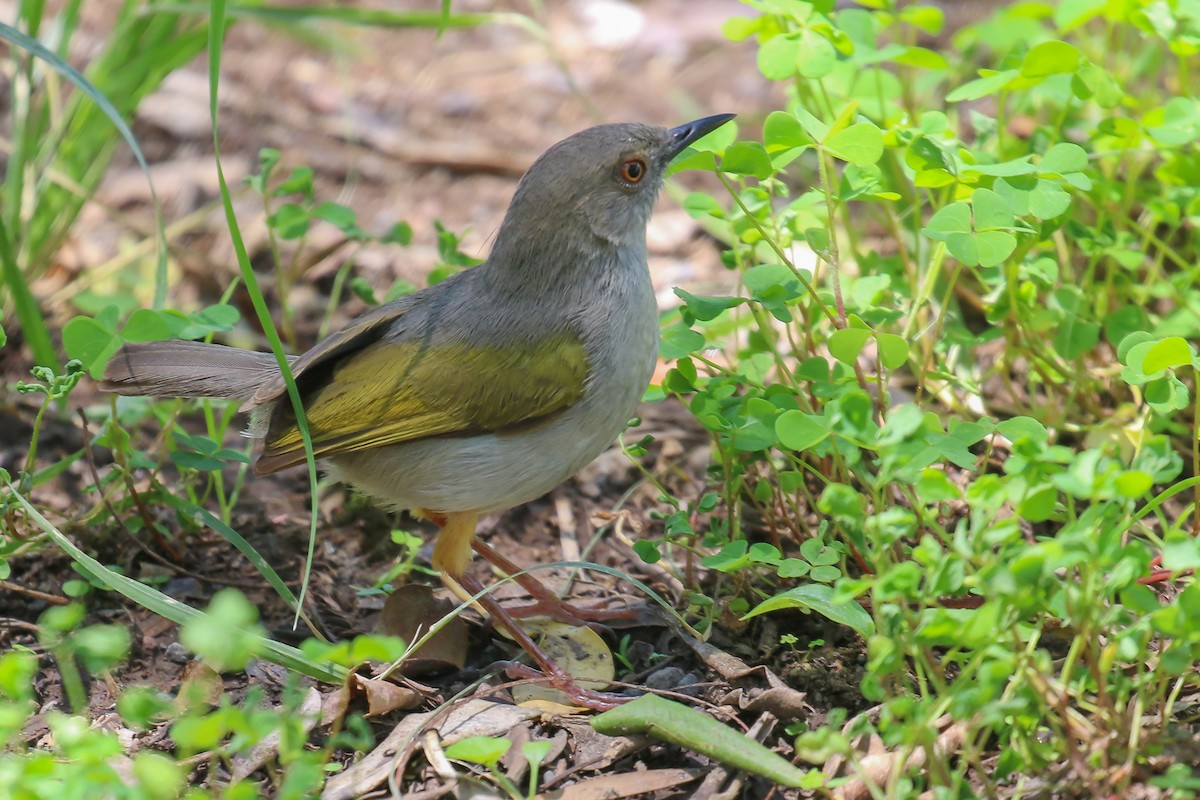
(383, 696)
(626, 784)
(580, 652)
(245, 764)
(409, 613)
(471, 718)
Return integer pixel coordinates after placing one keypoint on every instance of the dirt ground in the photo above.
(407, 125)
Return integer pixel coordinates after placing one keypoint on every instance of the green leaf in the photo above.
(1003, 169)
(485, 750)
(1050, 58)
(929, 19)
(145, 325)
(762, 279)
(707, 308)
(922, 57)
(994, 247)
(1048, 201)
(954, 218)
(731, 558)
(647, 551)
(813, 126)
(799, 431)
(819, 598)
(737, 29)
(336, 214)
(702, 204)
(846, 344)
(1093, 82)
(535, 752)
(1076, 336)
(1177, 123)
(185, 459)
(778, 57)
(716, 141)
(1038, 506)
(964, 247)
(290, 221)
(1134, 483)
(860, 144)
(815, 56)
(747, 158)
(227, 635)
(1063, 158)
(934, 486)
(1181, 552)
(678, 341)
(782, 131)
(1166, 395)
(893, 350)
(1169, 353)
(1019, 429)
(990, 83)
(991, 210)
(1124, 321)
(400, 233)
(1073, 13)
(686, 727)
(299, 182)
(89, 341)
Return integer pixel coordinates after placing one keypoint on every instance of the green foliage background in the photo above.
(952, 400)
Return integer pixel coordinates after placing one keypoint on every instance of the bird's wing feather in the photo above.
(392, 392)
(357, 334)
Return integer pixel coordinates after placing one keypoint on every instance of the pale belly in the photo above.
(480, 473)
(490, 472)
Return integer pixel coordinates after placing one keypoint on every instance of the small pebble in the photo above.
(690, 684)
(665, 678)
(177, 653)
(183, 588)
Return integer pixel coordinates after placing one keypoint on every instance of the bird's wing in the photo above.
(390, 392)
(355, 336)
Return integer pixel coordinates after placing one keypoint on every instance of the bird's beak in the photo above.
(689, 132)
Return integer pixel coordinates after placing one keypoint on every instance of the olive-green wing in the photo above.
(358, 334)
(391, 392)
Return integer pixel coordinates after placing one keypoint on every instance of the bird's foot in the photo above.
(562, 611)
(574, 693)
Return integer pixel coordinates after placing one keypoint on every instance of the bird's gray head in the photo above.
(602, 181)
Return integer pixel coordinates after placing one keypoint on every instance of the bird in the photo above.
(483, 391)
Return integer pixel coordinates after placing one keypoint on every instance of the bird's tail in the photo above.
(188, 369)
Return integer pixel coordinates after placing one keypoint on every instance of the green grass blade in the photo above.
(172, 609)
(216, 37)
(29, 314)
(18, 39)
(238, 541)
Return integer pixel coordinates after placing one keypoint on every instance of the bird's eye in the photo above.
(633, 170)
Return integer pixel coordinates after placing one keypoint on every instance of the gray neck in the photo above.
(553, 254)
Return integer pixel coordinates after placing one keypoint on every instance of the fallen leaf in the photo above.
(471, 718)
(625, 784)
(383, 696)
(409, 613)
(246, 763)
(200, 686)
(580, 652)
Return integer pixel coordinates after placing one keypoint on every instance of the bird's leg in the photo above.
(550, 671)
(545, 602)
(451, 554)
(452, 550)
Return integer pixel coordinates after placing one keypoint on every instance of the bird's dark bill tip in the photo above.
(689, 132)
